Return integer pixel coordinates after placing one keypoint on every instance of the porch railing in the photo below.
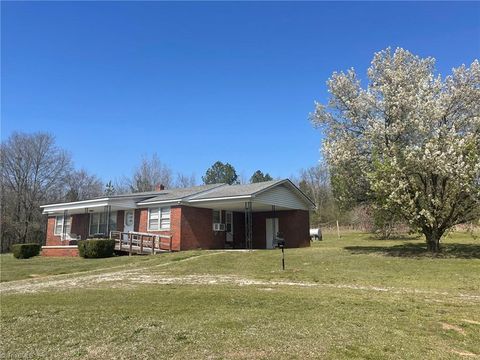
(137, 242)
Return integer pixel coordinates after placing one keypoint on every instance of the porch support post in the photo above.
(109, 207)
(64, 228)
(86, 225)
(248, 225)
(274, 232)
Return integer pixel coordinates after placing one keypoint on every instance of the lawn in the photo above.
(353, 297)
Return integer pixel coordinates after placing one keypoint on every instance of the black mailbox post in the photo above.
(281, 245)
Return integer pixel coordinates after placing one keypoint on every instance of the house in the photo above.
(213, 216)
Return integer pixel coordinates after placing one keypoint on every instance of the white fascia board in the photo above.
(225, 198)
(53, 209)
(74, 202)
(84, 204)
(162, 202)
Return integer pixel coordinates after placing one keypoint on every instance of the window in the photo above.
(217, 216)
(59, 222)
(159, 218)
(165, 218)
(98, 223)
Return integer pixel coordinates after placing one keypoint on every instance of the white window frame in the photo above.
(69, 224)
(159, 214)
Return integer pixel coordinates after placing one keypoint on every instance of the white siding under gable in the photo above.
(282, 195)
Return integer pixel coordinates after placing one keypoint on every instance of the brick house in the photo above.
(213, 216)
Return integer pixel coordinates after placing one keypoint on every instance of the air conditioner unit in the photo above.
(218, 227)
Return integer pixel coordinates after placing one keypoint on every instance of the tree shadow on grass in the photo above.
(448, 251)
(396, 237)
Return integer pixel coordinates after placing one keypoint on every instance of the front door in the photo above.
(128, 222)
(271, 231)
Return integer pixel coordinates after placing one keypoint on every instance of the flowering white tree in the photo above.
(408, 143)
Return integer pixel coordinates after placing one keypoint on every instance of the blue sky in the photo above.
(203, 81)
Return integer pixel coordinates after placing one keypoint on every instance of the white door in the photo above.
(272, 230)
(128, 222)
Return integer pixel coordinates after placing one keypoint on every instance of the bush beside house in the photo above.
(25, 251)
(96, 248)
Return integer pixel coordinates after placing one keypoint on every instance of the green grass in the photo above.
(39, 267)
(353, 298)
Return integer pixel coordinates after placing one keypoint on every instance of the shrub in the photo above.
(96, 248)
(25, 251)
(81, 248)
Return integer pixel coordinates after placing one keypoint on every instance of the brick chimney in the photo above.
(159, 187)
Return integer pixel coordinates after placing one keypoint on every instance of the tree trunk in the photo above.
(433, 240)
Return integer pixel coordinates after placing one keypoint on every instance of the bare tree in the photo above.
(81, 186)
(33, 172)
(150, 173)
(121, 185)
(185, 181)
(315, 183)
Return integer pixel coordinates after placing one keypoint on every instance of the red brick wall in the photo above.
(294, 224)
(296, 228)
(197, 231)
(190, 227)
(175, 228)
(52, 239)
(60, 252)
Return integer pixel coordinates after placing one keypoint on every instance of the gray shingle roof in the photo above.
(236, 190)
(179, 193)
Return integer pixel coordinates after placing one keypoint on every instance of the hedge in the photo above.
(25, 251)
(96, 248)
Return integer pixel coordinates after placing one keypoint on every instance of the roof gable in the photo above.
(282, 195)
